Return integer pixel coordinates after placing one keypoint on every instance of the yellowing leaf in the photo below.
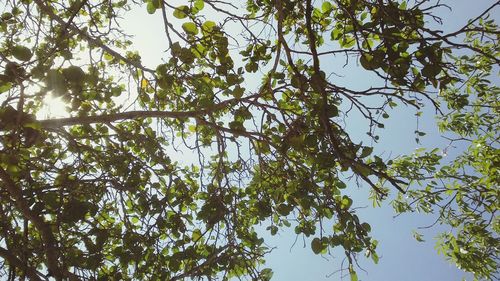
(144, 84)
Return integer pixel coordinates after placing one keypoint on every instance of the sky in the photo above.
(401, 256)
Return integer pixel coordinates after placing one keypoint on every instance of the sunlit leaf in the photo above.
(181, 12)
(190, 27)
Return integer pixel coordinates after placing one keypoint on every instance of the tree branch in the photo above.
(129, 115)
(108, 118)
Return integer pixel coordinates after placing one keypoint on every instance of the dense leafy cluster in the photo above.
(102, 194)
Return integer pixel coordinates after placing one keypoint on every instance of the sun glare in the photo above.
(53, 107)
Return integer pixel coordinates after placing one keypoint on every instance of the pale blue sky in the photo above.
(402, 257)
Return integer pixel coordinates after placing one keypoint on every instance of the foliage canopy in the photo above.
(100, 195)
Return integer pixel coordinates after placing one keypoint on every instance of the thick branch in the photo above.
(139, 114)
(312, 37)
(109, 118)
(130, 115)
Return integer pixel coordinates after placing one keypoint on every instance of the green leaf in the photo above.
(156, 3)
(418, 236)
(341, 185)
(5, 86)
(366, 61)
(198, 6)
(297, 142)
(431, 70)
(346, 202)
(74, 74)
(181, 12)
(354, 275)
(335, 34)
(190, 27)
(207, 27)
(366, 227)
(176, 49)
(371, 61)
(236, 125)
(196, 235)
(6, 16)
(165, 82)
(199, 50)
(273, 229)
(347, 41)
(316, 246)
(326, 7)
(332, 111)
(238, 91)
(186, 56)
(284, 209)
(402, 5)
(366, 151)
(74, 211)
(21, 53)
(151, 7)
(266, 274)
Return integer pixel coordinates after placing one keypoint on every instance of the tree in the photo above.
(99, 195)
